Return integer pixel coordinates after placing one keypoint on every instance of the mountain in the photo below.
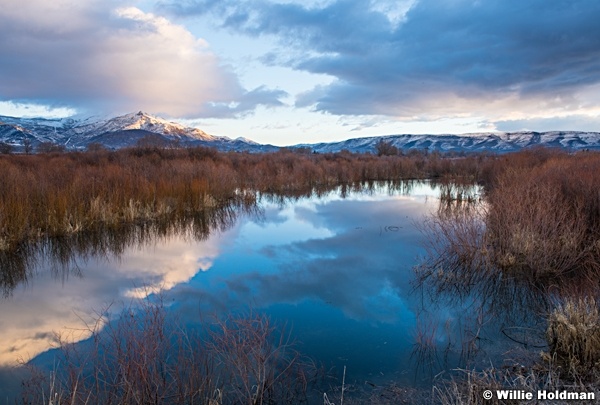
(481, 142)
(114, 133)
(141, 128)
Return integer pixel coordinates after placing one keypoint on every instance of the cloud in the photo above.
(246, 103)
(429, 59)
(98, 55)
(567, 123)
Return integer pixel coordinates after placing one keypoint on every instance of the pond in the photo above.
(335, 269)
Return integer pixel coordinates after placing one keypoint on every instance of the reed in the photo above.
(573, 336)
(56, 194)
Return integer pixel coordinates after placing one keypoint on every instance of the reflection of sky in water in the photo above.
(46, 305)
(337, 271)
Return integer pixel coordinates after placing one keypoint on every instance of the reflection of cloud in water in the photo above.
(271, 215)
(354, 266)
(166, 266)
(331, 251)
(45, 305)
(341, 282)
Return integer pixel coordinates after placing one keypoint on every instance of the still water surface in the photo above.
(336, 269)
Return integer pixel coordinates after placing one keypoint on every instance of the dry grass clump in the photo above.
(573, 336)
(466, 387)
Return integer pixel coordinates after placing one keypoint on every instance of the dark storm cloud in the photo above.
(443, 58)
(103, 55)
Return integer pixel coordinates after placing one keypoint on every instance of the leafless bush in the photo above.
(533, 238)
(145, 357)
(51, 194)
(536, 230)
(540, 221)
(457, 248)
(257, 362)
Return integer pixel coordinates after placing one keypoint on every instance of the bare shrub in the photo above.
(533, 238)
(5, 148)
(257, 362)
(534, 228)
(457, 248)
(52, 194)
(145, 357)
(50, 147)
(540, 221)
(141, 358)
(385, 148)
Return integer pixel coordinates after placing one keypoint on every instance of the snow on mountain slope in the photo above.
(144, 122)
(12, 134)
(480, 142)
(117, 132)
(130, 129)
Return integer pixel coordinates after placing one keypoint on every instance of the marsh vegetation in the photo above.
(528, 255)
(150, 359)
(515, 242)
(56, 194)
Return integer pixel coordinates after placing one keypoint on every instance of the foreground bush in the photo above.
(539, 221)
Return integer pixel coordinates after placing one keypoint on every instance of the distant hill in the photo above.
(482, 142)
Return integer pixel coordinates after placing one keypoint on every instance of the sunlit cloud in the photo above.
(106, 56)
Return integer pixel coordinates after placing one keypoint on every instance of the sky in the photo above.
(286, 72)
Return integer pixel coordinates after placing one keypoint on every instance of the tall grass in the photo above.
(56, 194)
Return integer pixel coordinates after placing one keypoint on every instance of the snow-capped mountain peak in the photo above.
(117, 132)
(145, 122)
